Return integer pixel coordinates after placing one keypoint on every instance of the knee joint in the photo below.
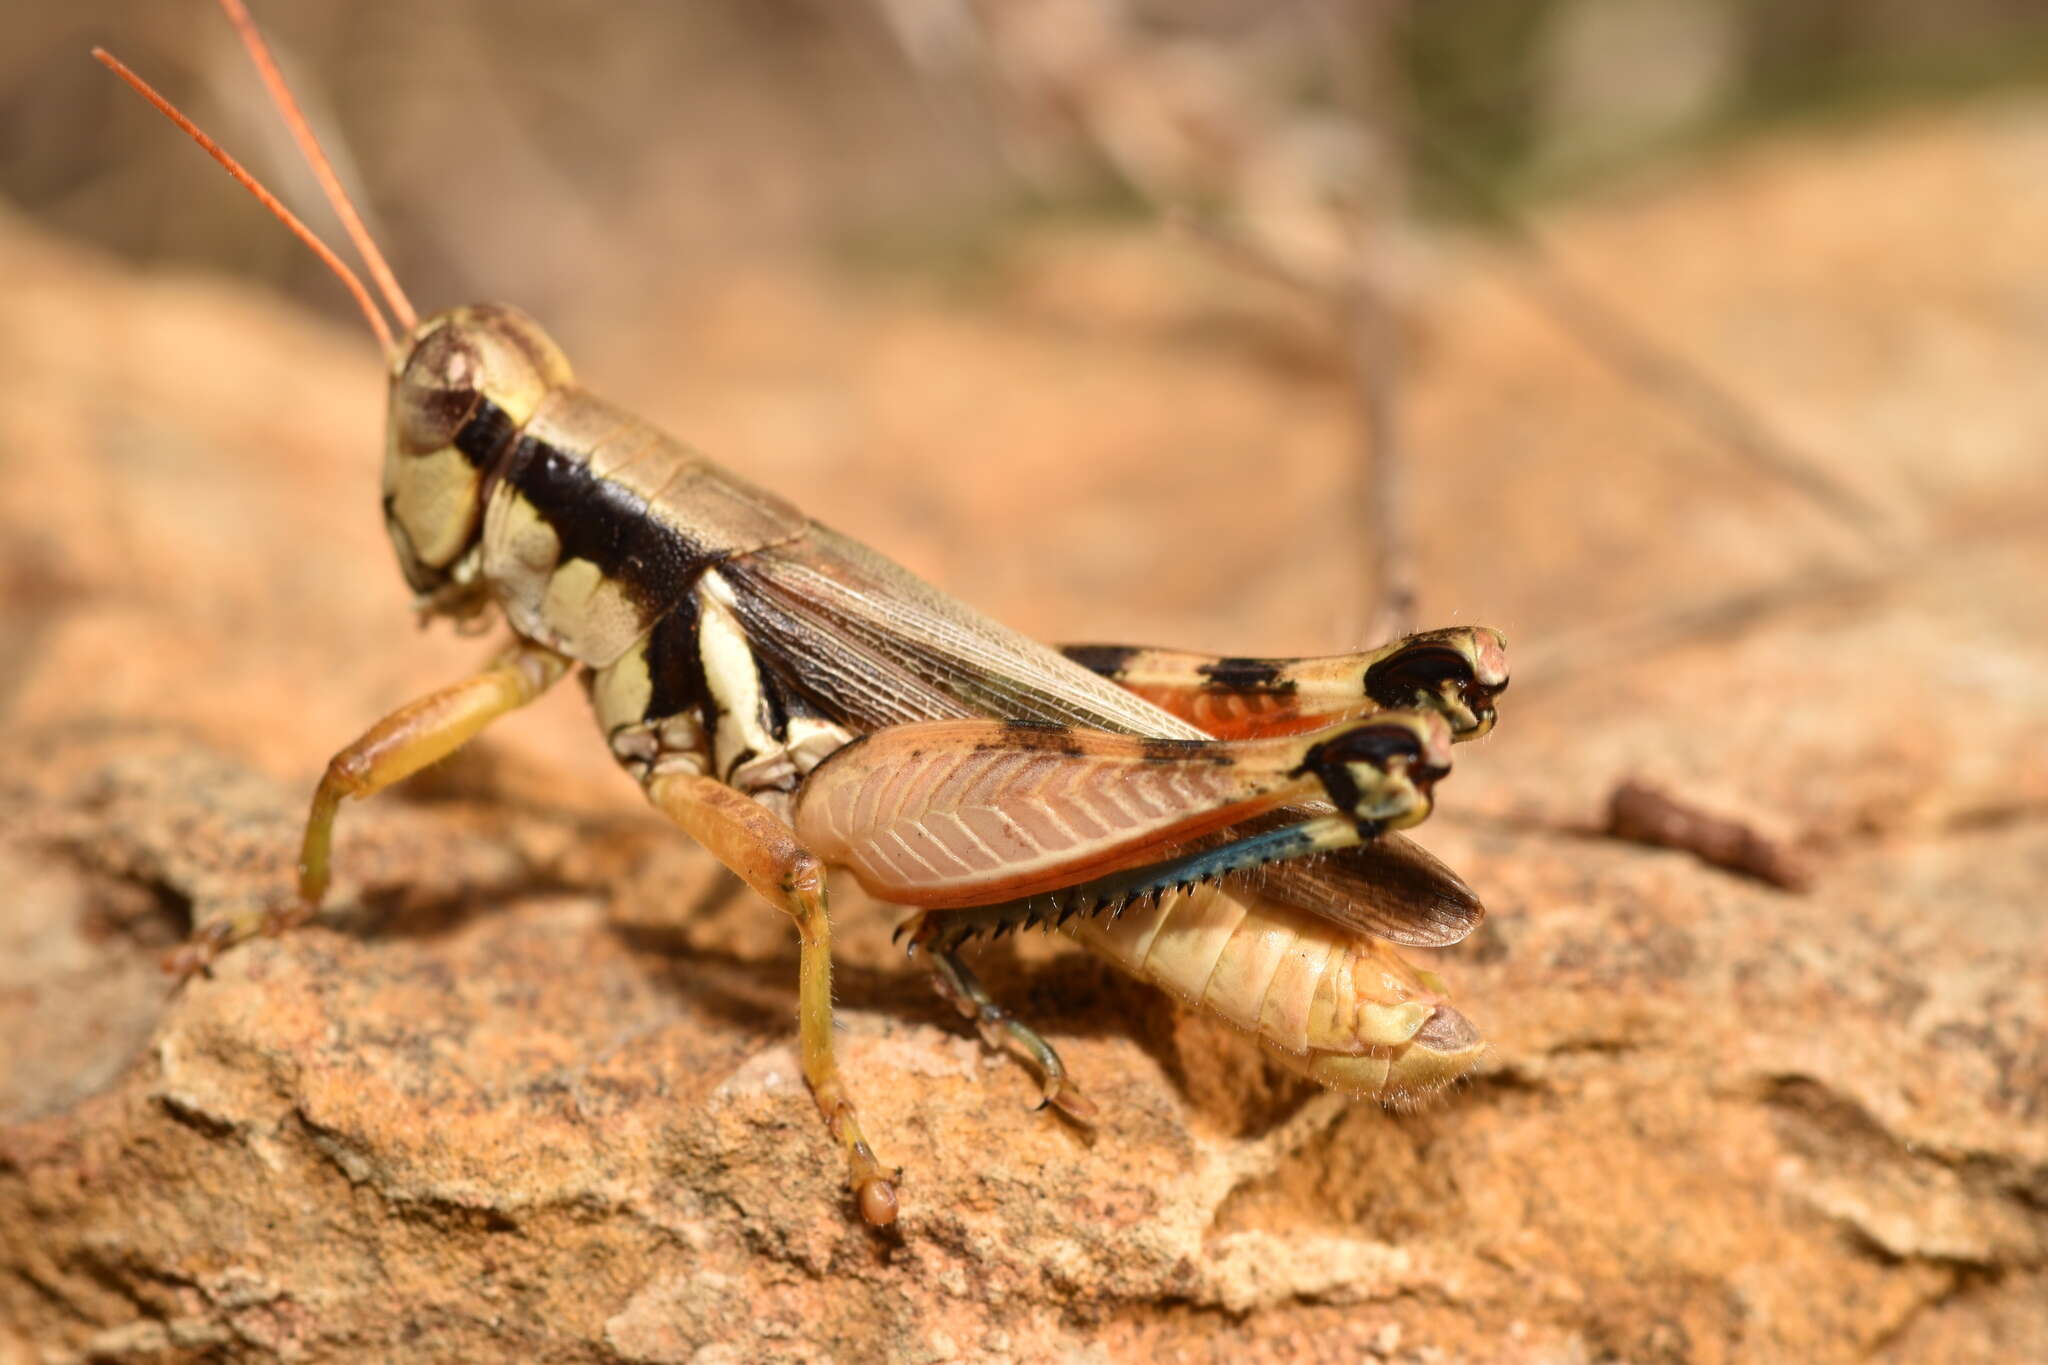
(347, 774)
(805, 877)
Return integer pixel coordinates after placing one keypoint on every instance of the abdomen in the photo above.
(1339, 1007)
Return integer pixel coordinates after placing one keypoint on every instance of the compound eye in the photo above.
(437, 393)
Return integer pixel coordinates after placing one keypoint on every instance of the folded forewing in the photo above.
(879, 646)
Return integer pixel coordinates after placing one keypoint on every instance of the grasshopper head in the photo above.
(471, 378)
(463, 383)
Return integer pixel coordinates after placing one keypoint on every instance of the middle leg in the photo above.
(764, 852)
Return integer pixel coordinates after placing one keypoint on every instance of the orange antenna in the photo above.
(263, 196)
(323, 169)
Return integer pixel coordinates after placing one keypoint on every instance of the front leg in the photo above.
(764, 852)
(413, 737)
(1456, 672)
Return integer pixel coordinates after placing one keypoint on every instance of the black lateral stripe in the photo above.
(675, 664)
(485, 433)
(1107, 660)
(785, 693)
(779, 698)
(1246, 675)
(606, 523)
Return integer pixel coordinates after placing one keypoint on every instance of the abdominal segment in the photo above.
(1336, 1006)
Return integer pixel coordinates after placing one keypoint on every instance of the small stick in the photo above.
(1357, 56)
(1641, 814)
(1371, 322)
(1376, 371)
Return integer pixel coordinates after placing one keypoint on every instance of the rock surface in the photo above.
(531, 1093)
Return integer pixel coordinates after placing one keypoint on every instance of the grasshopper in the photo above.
(1223, 828)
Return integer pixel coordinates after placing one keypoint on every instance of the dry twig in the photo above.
(1641, 814)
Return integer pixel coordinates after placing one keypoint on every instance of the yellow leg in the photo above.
(409, 739)
(764, 852)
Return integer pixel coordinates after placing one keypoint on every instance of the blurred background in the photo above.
(631, 138)
(704, 202)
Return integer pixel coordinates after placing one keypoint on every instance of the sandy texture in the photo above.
(532, 1093)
